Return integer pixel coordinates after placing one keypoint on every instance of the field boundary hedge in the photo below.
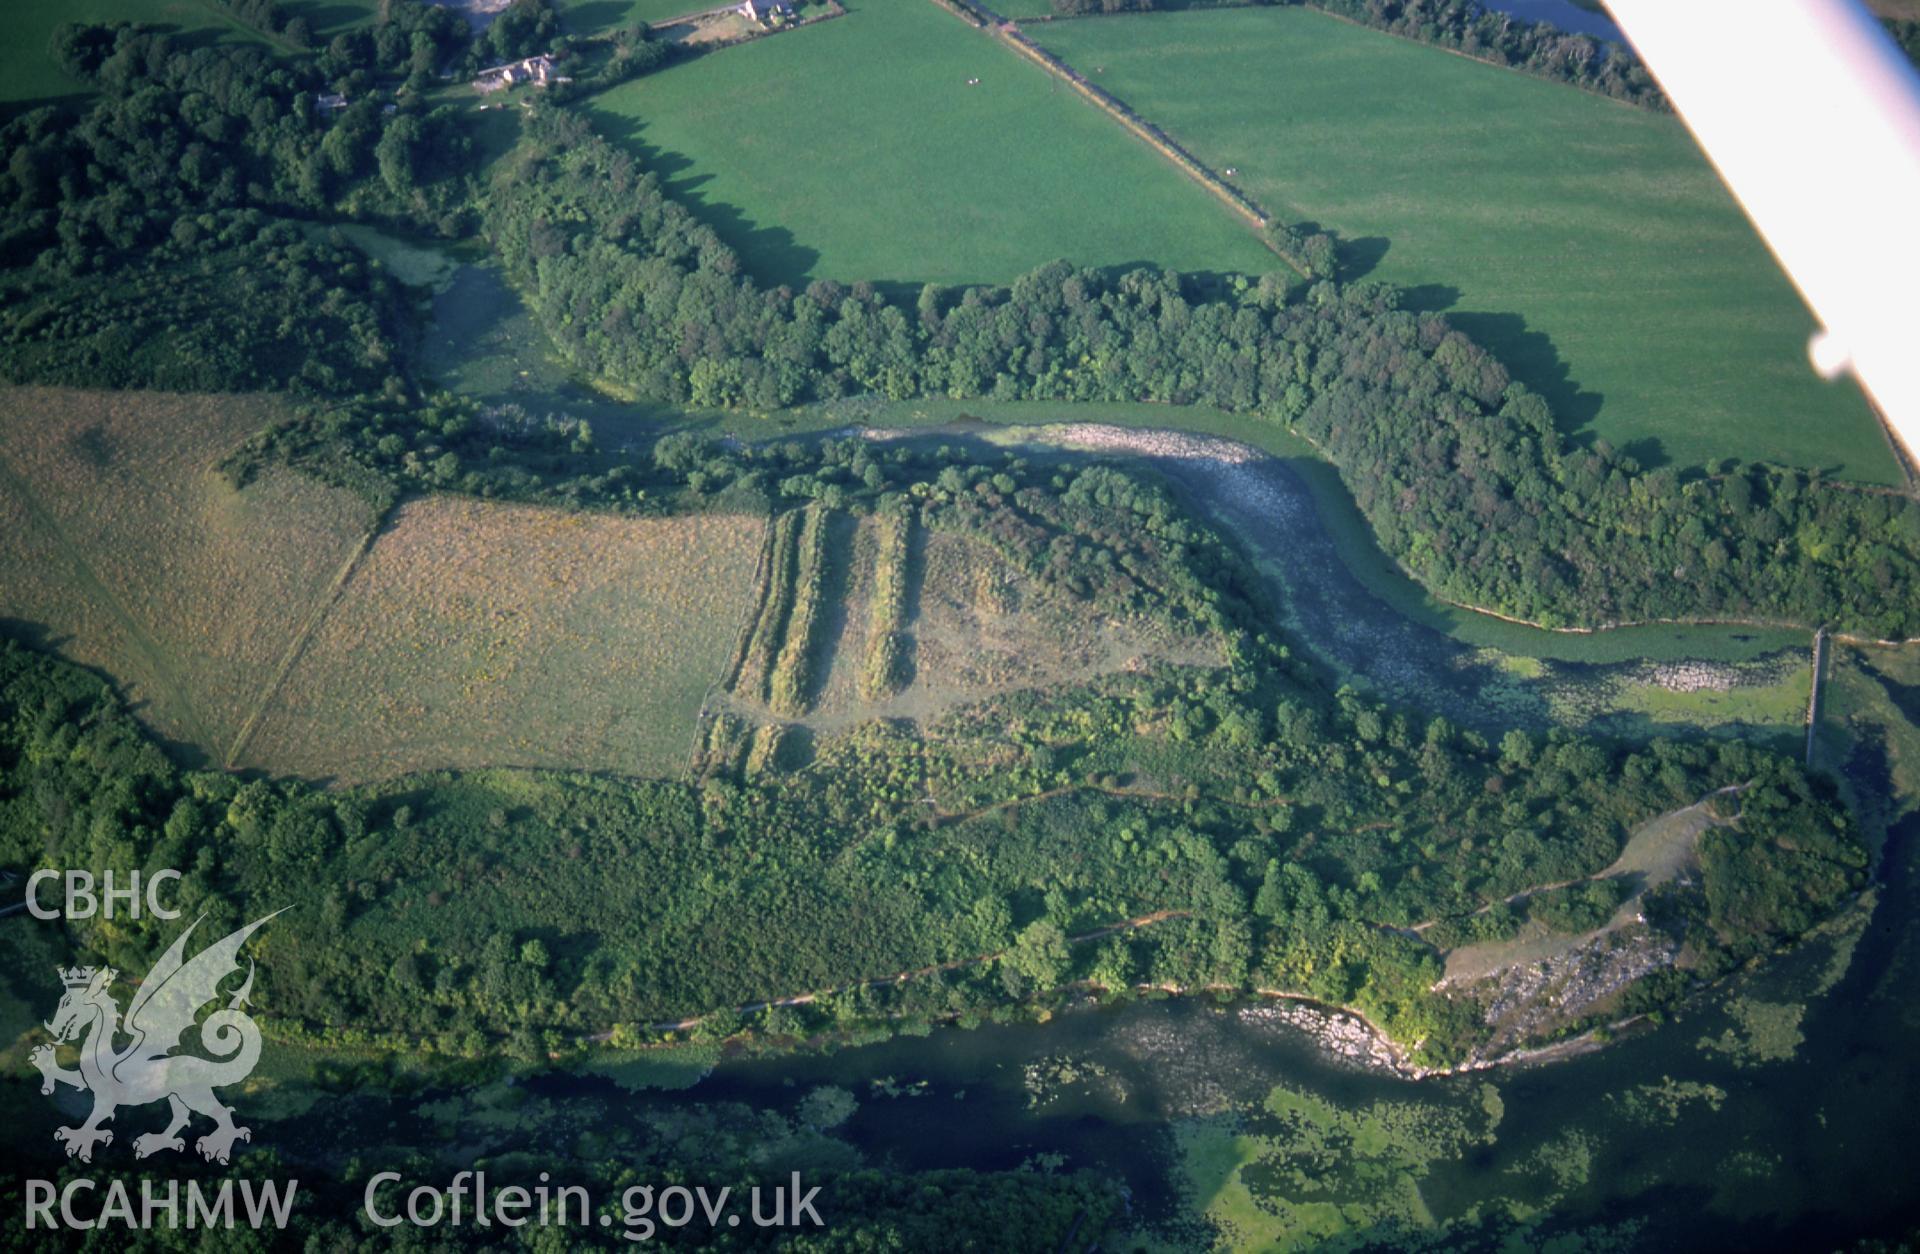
(790, 682)
(884, 673)
(769, 627)
(1243, 205)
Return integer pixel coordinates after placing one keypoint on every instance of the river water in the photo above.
(1802, 1151)
(1768, 1139)
(1770, 1115)
(1578, 19)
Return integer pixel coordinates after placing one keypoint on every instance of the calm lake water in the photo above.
(1580, 19)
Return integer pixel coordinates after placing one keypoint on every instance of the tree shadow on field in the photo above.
(596, 15)
(770, 254)
(1648, 452)
(1429, 298)
(836, 572)
(1531, 358)
(1360, 257)
(797, 748)
(42, 638)
(327, 19)
(902, 292)
(11, 109)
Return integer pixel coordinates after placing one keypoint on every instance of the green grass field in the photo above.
(856, 149)
(481, 634)
(329, 17)
(122, 545)
(591, 17)
(1586, 242)
(28, 73)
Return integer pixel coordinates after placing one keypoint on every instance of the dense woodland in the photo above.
(1461, 470)
(1286, 832)
(149, 236)
(1327, 822)
(230, 301)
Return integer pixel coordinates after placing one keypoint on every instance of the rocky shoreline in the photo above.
(1350, 1038)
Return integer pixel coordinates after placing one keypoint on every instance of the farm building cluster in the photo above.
(766, 12)
(537, 70)
(327, 103)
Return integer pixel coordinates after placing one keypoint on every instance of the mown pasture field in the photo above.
(1587, 243)
(857, 149)
(477, 634)
(330, 17)
(591, 17)
(27, 72)
(125, 546)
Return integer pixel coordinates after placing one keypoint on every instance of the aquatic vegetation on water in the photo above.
(1767, 1032)
(1048, 1079)
(1565, 1162)
(1662, 1104)
(1300, 1170)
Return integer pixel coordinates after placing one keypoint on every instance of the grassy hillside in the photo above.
(477, 634)
(1585, 242)
(857, 149)
(251, 625)
(121, 544)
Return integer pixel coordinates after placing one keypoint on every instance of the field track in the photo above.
(297, 647)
